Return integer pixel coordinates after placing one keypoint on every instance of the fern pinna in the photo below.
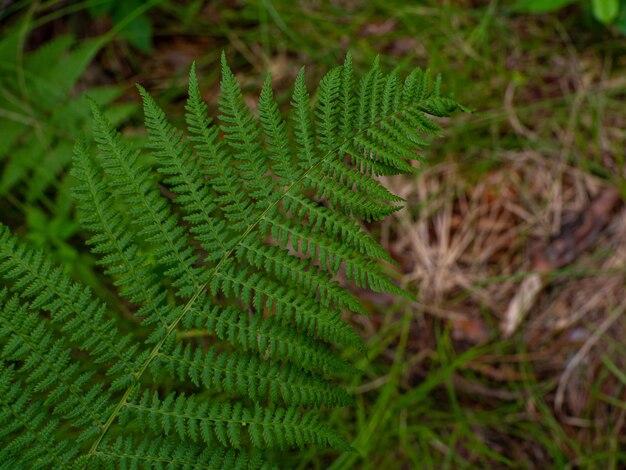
(231, 246)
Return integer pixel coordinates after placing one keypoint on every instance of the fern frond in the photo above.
(328, 253)
(275, 136)
(27, 433)
(248, 376)
(32, 275)
(359, 205)
(307, 314)
(183, 175)
(415, 86)
(216, 162)
(229, 424)
(268, 337)
(368, 96)
(114, 241)
(335, 224)
(242, 133)
(328, 109)
(155, 453)
(347, 107)
(148, 209)
(48, 368)
(237, 279)
(302, 124)
(290, 269)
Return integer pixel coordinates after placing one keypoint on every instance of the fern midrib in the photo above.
(157, 347)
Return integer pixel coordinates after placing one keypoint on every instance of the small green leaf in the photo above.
(139, 31)
(605, 11)
(100, 7)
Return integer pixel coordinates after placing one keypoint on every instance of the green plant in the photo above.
(233, 345)
(137, 32)
(39, 117)
(605, 11)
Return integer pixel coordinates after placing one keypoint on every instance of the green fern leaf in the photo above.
(231, 248)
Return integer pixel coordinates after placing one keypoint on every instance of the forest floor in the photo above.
(514, 234)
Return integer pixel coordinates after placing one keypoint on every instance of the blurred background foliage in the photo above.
(442, 386)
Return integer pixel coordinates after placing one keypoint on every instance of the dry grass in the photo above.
(469, 249)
